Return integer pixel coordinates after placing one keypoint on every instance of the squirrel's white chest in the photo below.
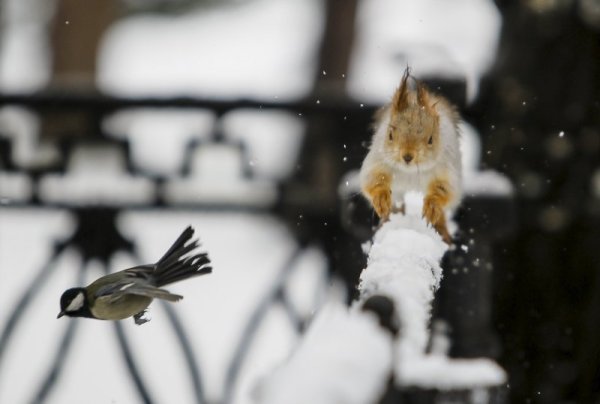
(404, 181)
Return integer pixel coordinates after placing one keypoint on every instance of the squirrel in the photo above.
(415, 147)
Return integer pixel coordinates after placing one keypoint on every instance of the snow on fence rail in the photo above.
(404, 265)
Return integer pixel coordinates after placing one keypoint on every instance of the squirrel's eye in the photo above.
(430, 141)
(390, 135)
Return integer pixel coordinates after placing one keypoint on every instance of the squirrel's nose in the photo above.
(407, 157)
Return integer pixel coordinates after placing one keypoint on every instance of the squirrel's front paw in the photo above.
(434, 214)
(382, 201)
(432, 211)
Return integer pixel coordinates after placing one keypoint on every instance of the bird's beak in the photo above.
(62, 313)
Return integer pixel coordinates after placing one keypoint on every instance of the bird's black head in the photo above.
(74, 303)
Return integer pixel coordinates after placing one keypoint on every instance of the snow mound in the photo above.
(345, 357)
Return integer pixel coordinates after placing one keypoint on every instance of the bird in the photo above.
(129, 292)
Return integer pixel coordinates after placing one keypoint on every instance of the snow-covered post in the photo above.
(404, 265)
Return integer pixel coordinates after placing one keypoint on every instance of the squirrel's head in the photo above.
(412, 135)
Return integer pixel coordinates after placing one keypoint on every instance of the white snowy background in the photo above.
(264, 49)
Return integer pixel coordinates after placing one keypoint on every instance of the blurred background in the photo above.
(123, 121)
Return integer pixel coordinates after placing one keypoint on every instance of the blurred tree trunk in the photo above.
(76, 32)
(336, 47)
(314, 190)
(318, 162)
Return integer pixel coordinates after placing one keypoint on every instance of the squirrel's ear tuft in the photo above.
(423, 98)
(422, 95)
(400, 100)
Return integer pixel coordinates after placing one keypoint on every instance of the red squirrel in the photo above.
(415, 147)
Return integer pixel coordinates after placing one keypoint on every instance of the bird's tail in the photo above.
(178, 264)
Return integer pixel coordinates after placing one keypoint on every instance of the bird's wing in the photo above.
(147, 291)
(132, 286)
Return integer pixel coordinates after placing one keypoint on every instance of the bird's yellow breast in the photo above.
(120, 309)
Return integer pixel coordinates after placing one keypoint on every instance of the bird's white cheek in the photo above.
(76, 303)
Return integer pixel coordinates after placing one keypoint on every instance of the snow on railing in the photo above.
(404, 265)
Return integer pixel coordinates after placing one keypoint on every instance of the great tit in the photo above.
(129, 292)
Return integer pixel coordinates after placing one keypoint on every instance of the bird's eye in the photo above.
(430, 141)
